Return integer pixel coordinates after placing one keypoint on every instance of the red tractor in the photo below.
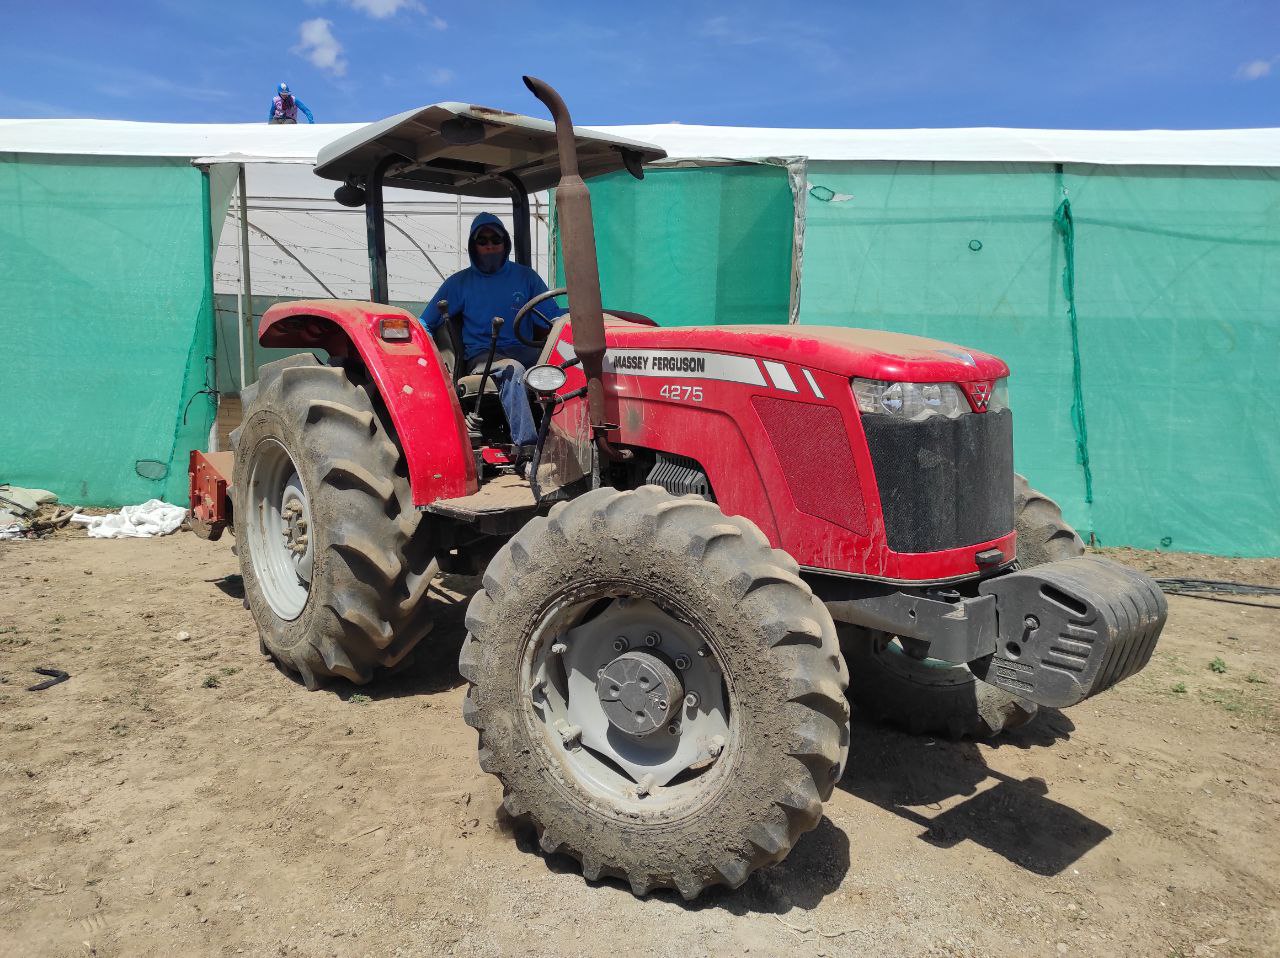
(716, 521)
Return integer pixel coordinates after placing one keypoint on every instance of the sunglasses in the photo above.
(488, 239)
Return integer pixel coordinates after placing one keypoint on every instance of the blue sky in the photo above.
(910, 63)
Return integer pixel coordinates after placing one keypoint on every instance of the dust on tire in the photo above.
(779, 650)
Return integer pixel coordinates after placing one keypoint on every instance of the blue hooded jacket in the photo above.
(480, 296)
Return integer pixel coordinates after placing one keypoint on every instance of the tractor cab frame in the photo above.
(458, 149)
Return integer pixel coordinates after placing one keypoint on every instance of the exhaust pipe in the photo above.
(581, 271)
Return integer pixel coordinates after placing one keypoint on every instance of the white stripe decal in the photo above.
(812, 383)
(781, 378)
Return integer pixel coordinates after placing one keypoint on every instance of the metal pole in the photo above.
(519, 217)
(248, 335)
(376, 230)
(462, 243)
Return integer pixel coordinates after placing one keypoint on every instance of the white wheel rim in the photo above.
(669, 770)
(279, 530)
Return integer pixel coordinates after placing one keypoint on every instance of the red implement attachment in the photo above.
(210, 475)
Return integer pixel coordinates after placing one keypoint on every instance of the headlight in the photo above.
(916, 401)
(999, 396)
(544, 379)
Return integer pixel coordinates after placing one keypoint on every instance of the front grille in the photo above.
(944, 483)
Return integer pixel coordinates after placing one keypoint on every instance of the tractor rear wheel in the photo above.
(335, 558)
(929, 696)
(658, 691)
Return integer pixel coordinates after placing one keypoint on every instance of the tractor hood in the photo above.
(868, 353)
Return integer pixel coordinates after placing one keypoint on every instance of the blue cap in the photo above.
(282, 88)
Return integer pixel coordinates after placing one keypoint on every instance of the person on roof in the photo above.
(285, 107)
(492, 286)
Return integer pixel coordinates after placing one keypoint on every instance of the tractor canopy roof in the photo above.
(466, 149)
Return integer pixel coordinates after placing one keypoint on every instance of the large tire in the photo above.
(1043, 535)
(716, 578)
(311, 440)
(937, 698)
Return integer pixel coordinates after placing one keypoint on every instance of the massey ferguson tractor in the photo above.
(726, 534)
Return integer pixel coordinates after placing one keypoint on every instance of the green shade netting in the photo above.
(1177, 288)
(695, 246)
(1154, 425)
(107, 318)
(966, 253)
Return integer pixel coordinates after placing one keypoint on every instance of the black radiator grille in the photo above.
(944, 483)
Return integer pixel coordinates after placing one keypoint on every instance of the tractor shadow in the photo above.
(915, 776)
(432, 667)
(230, 585)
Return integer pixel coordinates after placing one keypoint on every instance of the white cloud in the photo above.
(320, 46)
(441, 76)
(381, 9)
(1256, 69)
(385, 9)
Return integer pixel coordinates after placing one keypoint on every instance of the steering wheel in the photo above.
(532, 307)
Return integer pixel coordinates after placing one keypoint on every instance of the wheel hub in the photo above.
(639, 693)
(294, 514)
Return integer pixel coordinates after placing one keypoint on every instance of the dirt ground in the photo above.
(180, 796)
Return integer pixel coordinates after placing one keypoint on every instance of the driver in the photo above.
(492, 286)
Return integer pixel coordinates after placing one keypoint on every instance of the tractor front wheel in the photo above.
(659, 693)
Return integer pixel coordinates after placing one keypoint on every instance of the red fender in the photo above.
(409, 377)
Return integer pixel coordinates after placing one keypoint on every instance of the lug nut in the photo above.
(569, 734)
(559, 649)
(620, 644)
(673, 728)
(682, 662)
(653, 639)
(716, 746)
(1031, 622)
(691, 700)
(644, 786)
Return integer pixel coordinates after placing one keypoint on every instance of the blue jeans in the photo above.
(511, 391)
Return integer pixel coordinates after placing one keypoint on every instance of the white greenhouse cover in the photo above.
(1260, 147)
(208, 142)
(260, 142)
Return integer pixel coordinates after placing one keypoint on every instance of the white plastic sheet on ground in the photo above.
(152, 518)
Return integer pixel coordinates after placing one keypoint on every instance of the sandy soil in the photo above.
(180, 796)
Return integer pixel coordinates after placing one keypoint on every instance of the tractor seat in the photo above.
(468, 386)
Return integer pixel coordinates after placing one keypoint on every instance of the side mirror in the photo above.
(631, 160)
(348, 194)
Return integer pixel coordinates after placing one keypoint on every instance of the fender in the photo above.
(409, 378)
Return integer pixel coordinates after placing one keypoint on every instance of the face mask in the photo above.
(491, 262)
